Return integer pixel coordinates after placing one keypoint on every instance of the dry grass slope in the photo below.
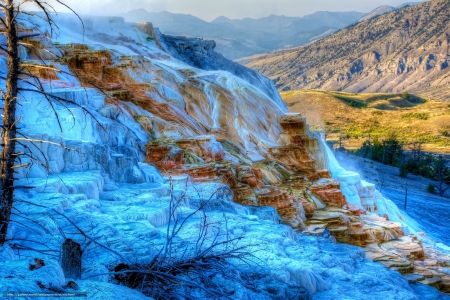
(354, 116)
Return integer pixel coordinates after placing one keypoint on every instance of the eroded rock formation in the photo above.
(307, 198)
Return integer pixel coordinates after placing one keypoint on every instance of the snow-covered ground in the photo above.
(430, 211)
(132, 220)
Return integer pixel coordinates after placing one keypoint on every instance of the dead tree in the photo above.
(11, 137)
(416, 150)
(9, 122)
(71, 259)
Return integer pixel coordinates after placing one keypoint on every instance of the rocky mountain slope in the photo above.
(384, 9)
(377, 11)
(165, 138)
(240, 38)
(404, 50)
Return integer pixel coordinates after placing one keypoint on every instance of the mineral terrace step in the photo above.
(433, 281)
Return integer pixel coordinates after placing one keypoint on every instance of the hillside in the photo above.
(384, 9)
(403, 50)
(353, 117)
(240, 38)
(377, 11)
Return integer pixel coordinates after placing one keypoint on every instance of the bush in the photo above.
(178, 269)
(388, 151)
(365, 150)
(403, 170)
(405, 95)
(431, 188)
(393, 150)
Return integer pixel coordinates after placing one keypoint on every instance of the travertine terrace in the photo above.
(165, 130)
(285, 169)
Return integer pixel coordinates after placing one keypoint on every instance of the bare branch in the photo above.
(65, 5)
(88, 237)
(62, 100)
(42, 142)
(48, 18)
(27, 36)
(40, 67)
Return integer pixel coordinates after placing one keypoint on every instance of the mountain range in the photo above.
(240, 38)
(245, 37)
(403, 50)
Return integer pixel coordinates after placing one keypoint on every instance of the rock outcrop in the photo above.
(198, 46)
(200, 53)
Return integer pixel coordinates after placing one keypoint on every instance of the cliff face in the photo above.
(404, 50)
(200, 54)
(166, 130)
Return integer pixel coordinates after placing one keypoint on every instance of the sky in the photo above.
(233, 9)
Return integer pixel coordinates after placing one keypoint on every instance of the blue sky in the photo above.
(210, 9)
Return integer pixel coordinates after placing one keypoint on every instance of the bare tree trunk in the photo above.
(71, 259)
(9, 122)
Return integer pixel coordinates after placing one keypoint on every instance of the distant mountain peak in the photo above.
(377, 11)
(137, 10)
(385, 9)
(220, 19)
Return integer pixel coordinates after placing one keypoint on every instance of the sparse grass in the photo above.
(412, 119)
(352, 102)
(414, 115)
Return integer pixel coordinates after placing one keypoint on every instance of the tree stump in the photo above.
(71, 259)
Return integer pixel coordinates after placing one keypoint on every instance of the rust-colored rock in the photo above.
(251, 176)
(354, 209)
(164, 157)
(308, 207)
(244, 195)
(324, 173)
(384, 240)
(199, 173)
(329, 191)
